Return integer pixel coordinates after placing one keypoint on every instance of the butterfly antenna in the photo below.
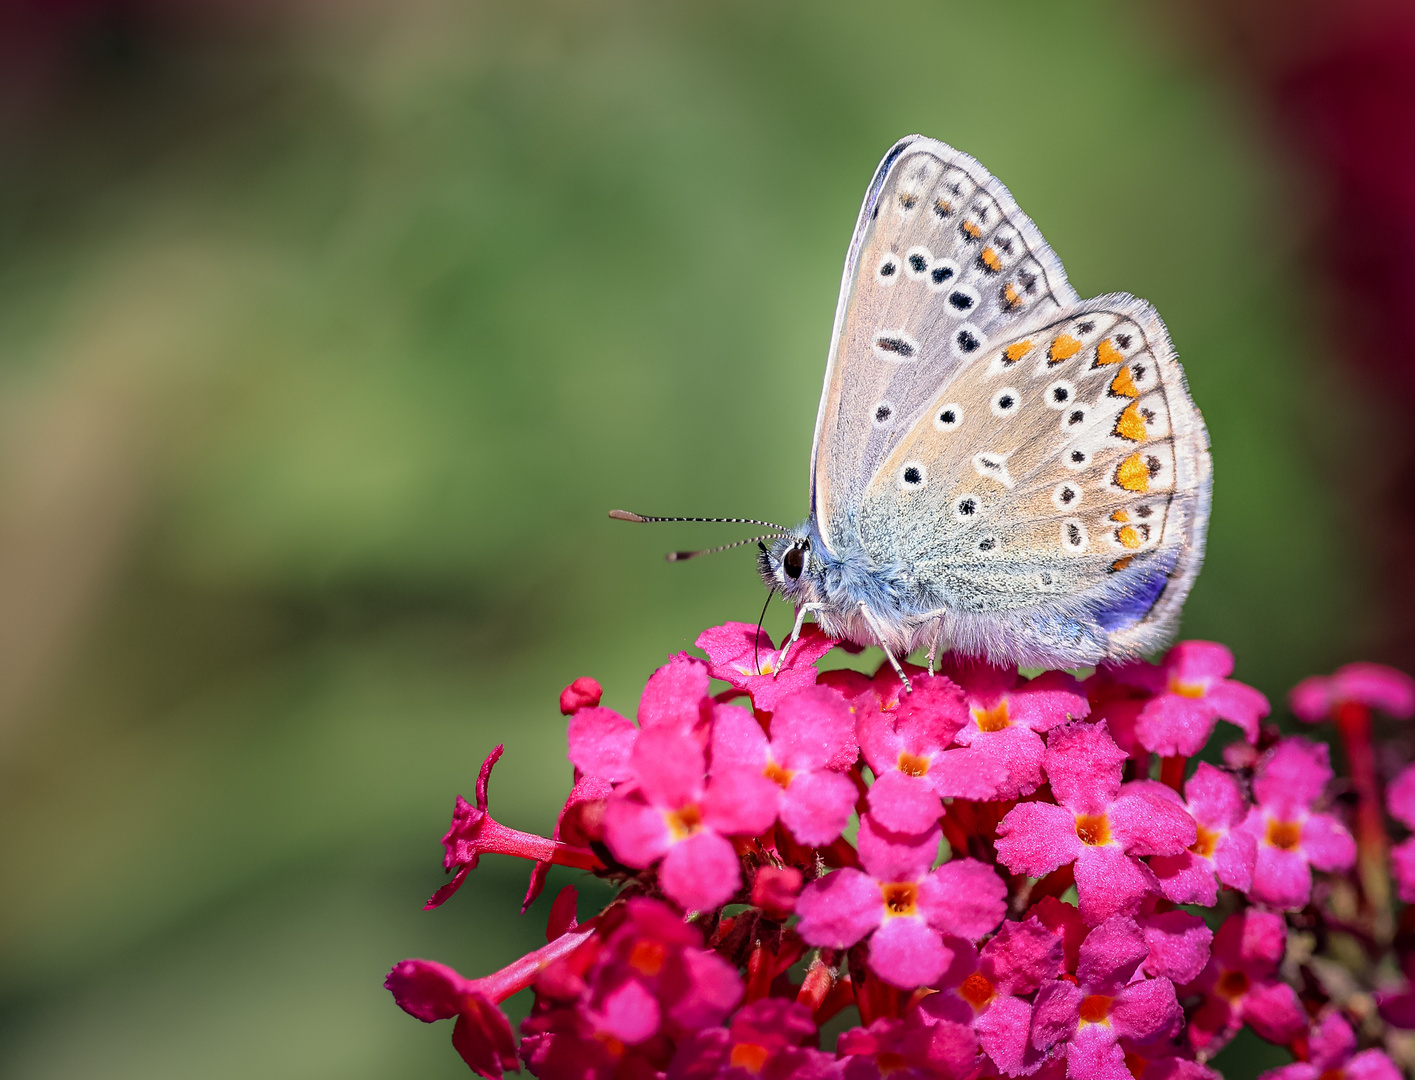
(757, 640)
(680, 556)
(626, 515)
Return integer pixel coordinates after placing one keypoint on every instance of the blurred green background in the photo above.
(328, 334)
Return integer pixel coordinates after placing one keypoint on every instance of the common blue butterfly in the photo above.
(999, 467)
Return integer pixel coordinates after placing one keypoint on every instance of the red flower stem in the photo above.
(1353, 722)
(1172, 771)
(519, 974)
(497, 838)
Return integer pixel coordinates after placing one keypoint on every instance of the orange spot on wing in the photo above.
(1011, 295)
(1130, 537)
(973, 229)
(1120, 515)
(1121, 563)
(1128, 424)
(1123, 385)
(990, 260)
(1132, 475)
(1063, 348)
(1017, 350)
(1106, 353)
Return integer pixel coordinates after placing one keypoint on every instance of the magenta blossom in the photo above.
(1006, 719)
(1191, 694)
(742, 656)
(904, 748)
(1292, 837)
(673, 812)
(764, 1039)
(1179, 945)
(901, 905)
(810, 729)
(431, 991)
(1400, 801)
(1333, 1057)
(986, 990)
(1221, 853)
(916, 1048)
(1374, 685)
(600, 742)
(1086, 1019)
(1102, 826)
(1240, 985)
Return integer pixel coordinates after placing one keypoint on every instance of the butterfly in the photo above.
(999, 468)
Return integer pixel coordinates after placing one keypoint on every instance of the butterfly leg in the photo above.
(879, 637)
(933, 646)
(801, 613)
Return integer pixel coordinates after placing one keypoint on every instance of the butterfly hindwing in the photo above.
(941, 265)
(1064, 470)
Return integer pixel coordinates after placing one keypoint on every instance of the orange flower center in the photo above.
(1093, 829)
(1233, 984)
(912, 764)
(994, 719)
(1205, 843)
(777, 775)
(976, 990)
(1186, 689)
(1284, 834)
(900, 897)
(684, 822)
(647, 957)
(749, 1056)
(1095, 1009)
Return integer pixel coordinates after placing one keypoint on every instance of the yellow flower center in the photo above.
(994, 719)
(912, 764)
(683, 822)
(1284, 834)
(1187, 689)
(1093, 829)
(1205, 843)
(900, 898)
(777, 775)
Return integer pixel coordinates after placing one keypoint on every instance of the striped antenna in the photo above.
(680, 556)
(626, 515)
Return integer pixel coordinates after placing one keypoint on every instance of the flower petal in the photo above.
(1110, 883)
(839, 909)
(701, 872)
(1035, 838)
(599, 742)
(964, 897)
(906, 952)
(1083, 764)
(817, 806)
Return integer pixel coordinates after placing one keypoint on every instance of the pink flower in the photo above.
(600, 742)
(1086, 1019)
(474, 832)
(810, 730)
(743, 656)
(901, 905)
(1005, 719)
(1100, 824)
(1291, 837)
(1240, 985)
(1332, 1047)
(1179, 945)
(904, 748)
(1400, 801)
(764, 1040)
(1390, 691)
(1191, 694)
(431, 991)
(673, 812)
(1220, 853)
(620, 1002)
(986, 991)
(918, 1047)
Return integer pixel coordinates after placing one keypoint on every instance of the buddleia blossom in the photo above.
(972, 877)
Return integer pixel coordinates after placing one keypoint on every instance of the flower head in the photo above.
(1240, 985)
(1006, 719)
(764, 1038)
(431, 991)
(1374, 685)
(1110, 999)
(1191, 693)
(743, 656)
(1291, 837)
(1333, 1056)
(1102, 826)
(901, 905)
(919, 1047)
(811, 729)
(1221, 853)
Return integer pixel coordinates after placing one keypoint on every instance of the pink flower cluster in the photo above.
(979, 871)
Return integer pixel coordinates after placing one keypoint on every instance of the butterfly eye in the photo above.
(794, 561)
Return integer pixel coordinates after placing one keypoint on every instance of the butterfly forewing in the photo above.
(942, 265)
(1065, 462)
